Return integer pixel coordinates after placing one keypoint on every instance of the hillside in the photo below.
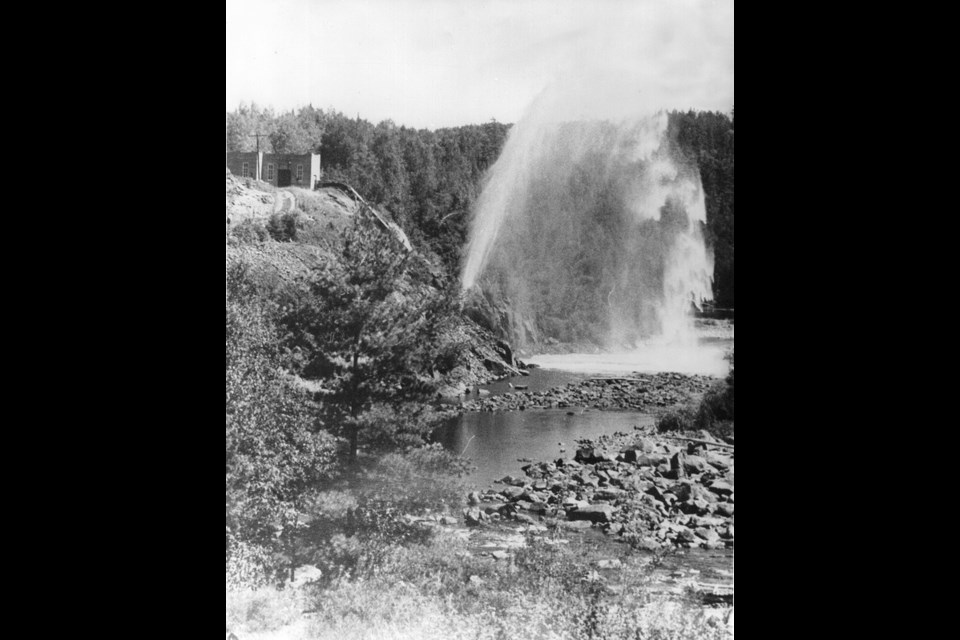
(283, 234)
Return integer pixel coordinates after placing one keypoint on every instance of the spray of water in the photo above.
(591, 230)
(590, 224)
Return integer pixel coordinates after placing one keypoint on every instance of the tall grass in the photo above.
(437, 590)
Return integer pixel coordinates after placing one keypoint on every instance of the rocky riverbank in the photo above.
(635, 392)
(644, 488)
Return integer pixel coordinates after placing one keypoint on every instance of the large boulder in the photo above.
(694, 464)
(593, 513)
(721, 487)
(512, 493)
(592, 455)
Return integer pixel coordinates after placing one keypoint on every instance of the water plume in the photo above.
(589, 227)
(591, 230)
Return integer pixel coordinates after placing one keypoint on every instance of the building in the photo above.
(279, 169)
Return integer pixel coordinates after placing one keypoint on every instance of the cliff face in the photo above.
(319, 216)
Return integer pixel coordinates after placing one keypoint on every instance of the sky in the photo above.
(439, 63)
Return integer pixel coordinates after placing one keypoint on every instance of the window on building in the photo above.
(299, 173)
(245, 170)
(270, 171)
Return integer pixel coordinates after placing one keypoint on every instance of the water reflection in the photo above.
(495, 440)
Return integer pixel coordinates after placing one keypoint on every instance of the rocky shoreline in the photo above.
(651, 490)
(634, 392)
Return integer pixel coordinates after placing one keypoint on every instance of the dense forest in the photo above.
(430, 179)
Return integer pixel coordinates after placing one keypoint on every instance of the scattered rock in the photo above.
(524, 518)
(473, 516)
(512, 493)
(707, 534)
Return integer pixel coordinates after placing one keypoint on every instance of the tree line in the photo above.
(429, 180)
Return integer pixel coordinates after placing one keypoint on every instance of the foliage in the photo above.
(373, 335)
(423, 479)
(351, 532)
(681, 419)
(714, 413)
(248, 565)
(275, 450)
(285, 227)
(249, 231)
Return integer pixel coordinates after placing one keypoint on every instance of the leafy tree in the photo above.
(275, 450)
(246, 121)
(293, 134)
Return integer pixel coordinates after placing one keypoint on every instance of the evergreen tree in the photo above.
(375, 334)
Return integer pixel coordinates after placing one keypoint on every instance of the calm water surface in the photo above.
(495, 440)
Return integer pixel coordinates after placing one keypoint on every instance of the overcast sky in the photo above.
(436, 63)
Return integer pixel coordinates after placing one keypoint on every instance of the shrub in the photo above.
(424, 479)
(682, 419)
(249, 231)
(714, 413)
(284, 227)
(351, 533)
(275, 450)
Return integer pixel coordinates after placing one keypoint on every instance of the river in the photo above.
(500, 443)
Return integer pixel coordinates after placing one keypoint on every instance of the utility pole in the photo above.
(257, 136)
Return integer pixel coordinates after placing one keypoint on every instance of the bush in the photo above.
(682, 419)
(284, 227)
(248, 566)
(714, 413)
(249, 231)
(351, 533)
(385, 428)
(275, 450)
(421, 480)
